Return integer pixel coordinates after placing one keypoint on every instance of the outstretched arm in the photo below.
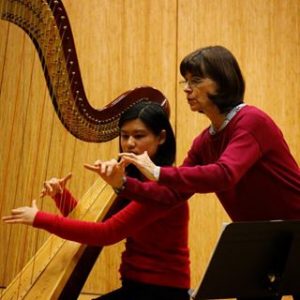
(121, 225)
(177, 183)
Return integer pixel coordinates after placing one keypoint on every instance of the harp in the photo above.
(47, 25)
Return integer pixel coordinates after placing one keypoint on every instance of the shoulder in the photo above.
(201, 138)
(256, 121)
(253, 116)
(259, 125)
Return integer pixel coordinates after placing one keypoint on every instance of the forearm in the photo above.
(223, 173)
(65, 202)
(120, 226)
(198, 179)
(152, 191)
(90, 233)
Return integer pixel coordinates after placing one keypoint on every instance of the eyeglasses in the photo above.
(193, 82)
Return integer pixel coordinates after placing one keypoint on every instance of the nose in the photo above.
(131, 142)
(187, 88)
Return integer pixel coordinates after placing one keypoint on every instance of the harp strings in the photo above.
(62, 82)
(44, 29)
(8, 230)
(53, 52)
(20, 118)
(21, 183)
(45, 32)
(33, 22)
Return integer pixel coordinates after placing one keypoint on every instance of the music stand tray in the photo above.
(254, 259)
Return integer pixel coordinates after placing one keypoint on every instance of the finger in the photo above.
(98, 162)
(48, 187)
(91, 167)
(146, 154)
(60, 188)
(33, 205)
(12, 220)
(43, 193)
(113, 162)
(17, 211)
(66, 178)
(123, 163)
(103, 168)
(129, 157)
(109, 170)
(126, 154)
(5, 218)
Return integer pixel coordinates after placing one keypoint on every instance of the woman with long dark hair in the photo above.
(155, 263)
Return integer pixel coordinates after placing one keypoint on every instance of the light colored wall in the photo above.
(123, 44)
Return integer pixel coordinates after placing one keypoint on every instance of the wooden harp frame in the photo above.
(56, 271)
(47, 24)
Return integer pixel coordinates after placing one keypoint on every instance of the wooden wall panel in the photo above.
(264, 36)
(122, 44)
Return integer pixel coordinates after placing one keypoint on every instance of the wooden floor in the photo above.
(87, 296)
(81, 297)
(92, 296)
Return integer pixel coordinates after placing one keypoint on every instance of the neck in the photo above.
(220, 121)
(217, 121)
(213, 113)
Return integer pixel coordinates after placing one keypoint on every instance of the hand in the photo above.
(22, 215)
(54, 186)
(102, 167)
(111, 171)
(142, 162)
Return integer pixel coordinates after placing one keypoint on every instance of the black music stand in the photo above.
(254, 259)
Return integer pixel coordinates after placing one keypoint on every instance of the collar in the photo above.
(228, 118)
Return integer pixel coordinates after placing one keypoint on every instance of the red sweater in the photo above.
(248, 165)
(157, 238)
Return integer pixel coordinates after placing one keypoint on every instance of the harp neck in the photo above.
(48, 26)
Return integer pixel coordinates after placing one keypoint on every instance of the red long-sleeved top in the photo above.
(248, 165)
(156, 249)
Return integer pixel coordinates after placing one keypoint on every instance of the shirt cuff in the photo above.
(156, 172)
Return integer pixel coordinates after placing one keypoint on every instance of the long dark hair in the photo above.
(218, 64)
(156, 120)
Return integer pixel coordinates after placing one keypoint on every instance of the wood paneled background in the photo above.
(122, 44)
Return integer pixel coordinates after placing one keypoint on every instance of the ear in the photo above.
(162, 136)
